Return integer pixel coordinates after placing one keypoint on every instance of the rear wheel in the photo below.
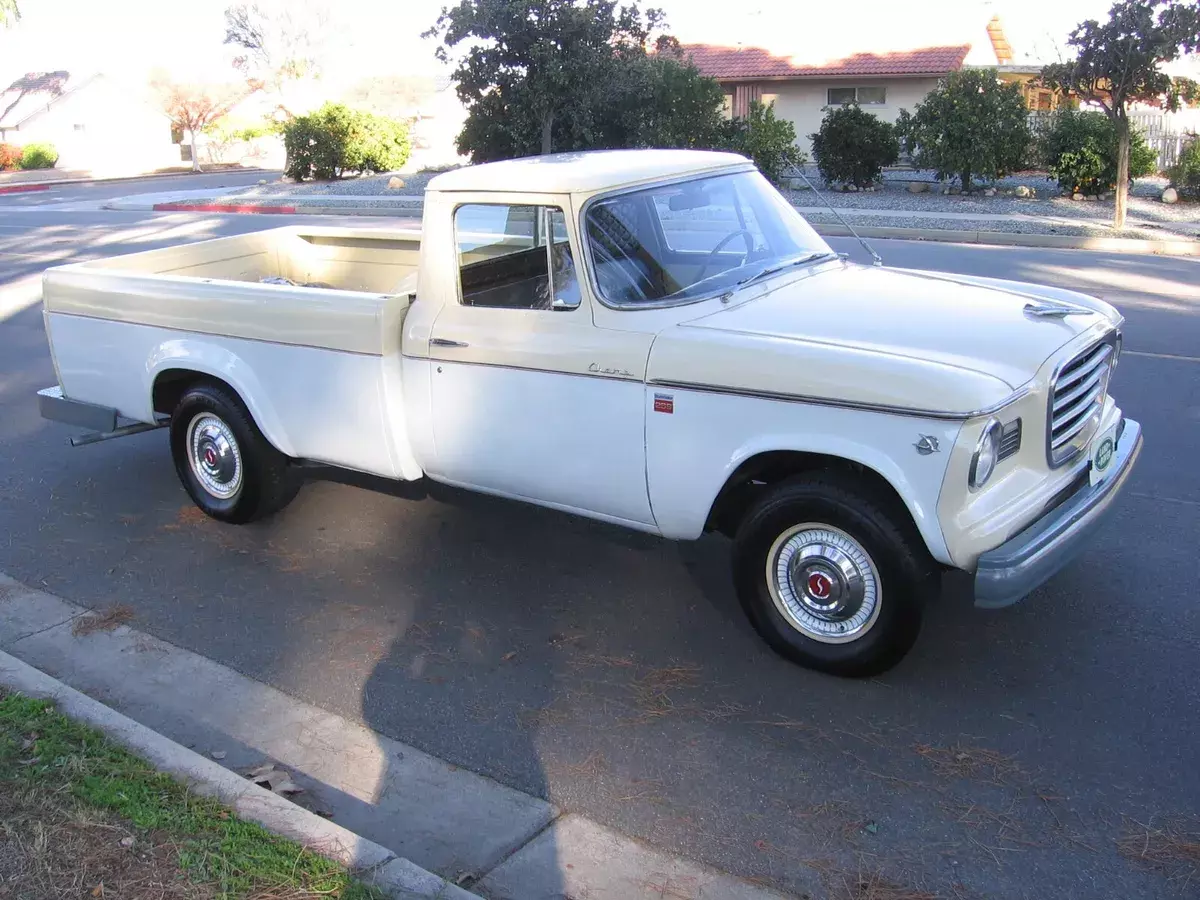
(831, 576)
(228, 468)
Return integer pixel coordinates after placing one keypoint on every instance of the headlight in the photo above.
(987, 451)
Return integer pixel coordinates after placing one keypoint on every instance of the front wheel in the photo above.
(230, 470)
(831, 576)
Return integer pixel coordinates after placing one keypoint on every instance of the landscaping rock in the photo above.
(990, 192)
(1091, 197)
(395, 183)
(1170, 195)
(852, 188)
(952, 190)
(1107, 195)
(918, 187)
(1077, 196)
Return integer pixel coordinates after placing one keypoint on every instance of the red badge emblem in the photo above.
(819, 586)
(664, 403)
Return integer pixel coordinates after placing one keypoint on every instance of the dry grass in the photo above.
(51, 849)
(1171, 847)
(871, 884)
(105, 620)
(655, 692)
(974, 764)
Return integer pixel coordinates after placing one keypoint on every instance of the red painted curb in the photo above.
(22, 188)
(221, 207)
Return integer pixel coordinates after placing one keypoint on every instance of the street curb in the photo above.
(1016, 239)
(24, 188)
(373, 864)
(241, 209)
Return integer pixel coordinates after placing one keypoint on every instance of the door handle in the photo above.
(444, 342)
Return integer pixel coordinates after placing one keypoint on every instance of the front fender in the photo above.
(692, 453)
(196, 354)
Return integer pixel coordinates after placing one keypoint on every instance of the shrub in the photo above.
(969, 125)
(853, 146)
(336, 139)
(39, 156)
(1185, 174)
(1079, 150)
(766, 139)
(10, 156)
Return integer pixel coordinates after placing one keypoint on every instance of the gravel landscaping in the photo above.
(366, 186)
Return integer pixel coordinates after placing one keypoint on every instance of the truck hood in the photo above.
(917, 341)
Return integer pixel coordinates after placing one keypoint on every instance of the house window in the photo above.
(768, 99)
(863, 96)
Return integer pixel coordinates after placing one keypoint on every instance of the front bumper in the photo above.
(1030, 558)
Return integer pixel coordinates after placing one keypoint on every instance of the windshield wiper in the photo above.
(774, 270)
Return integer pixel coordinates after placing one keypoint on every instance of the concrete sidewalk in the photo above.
(472, 831)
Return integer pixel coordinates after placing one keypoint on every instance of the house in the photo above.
(883, 82)
(93, 122)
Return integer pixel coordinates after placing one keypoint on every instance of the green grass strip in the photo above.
(237, 858)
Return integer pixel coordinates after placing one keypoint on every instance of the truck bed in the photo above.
(116, 324)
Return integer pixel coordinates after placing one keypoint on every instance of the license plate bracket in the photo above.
(1103, 453)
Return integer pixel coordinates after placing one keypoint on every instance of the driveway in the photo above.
(614, 673)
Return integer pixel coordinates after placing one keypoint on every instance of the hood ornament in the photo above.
(1046, 309)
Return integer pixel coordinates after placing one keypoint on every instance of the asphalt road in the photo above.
(614, 674)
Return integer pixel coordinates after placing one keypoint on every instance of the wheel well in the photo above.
(171, 384)
(759, 472)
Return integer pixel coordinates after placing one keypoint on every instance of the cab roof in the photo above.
(584, 172)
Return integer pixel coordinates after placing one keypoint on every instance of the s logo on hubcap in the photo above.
(819, 586)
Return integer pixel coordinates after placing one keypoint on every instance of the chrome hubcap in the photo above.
(823, 583)
(214, 456)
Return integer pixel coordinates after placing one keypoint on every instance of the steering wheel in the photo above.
(712, 254)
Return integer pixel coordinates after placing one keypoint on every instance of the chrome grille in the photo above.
(1076, 398)
(1010, 439)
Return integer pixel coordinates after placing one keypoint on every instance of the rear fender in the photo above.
(195, 354)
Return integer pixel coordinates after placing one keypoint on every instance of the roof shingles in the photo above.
(742, 63)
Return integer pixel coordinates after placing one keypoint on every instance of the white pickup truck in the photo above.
(651, 338)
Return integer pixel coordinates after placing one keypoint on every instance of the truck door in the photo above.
(530, 399)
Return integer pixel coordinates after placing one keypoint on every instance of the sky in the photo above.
(128, 38)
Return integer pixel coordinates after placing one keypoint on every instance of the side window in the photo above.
(699, 221)
(515, 257)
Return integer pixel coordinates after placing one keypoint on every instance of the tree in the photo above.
(766, 139)
(544, 65)
(283, 42)
(852, 146)
(1118, 63)
(10, 13)
(969, 125)
(193, 106)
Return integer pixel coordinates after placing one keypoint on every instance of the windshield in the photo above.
(682, 242)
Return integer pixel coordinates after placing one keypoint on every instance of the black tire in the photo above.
(899, 568)
(265, 481)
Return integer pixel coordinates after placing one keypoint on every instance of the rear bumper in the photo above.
(1029, 559)
(53, 405)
